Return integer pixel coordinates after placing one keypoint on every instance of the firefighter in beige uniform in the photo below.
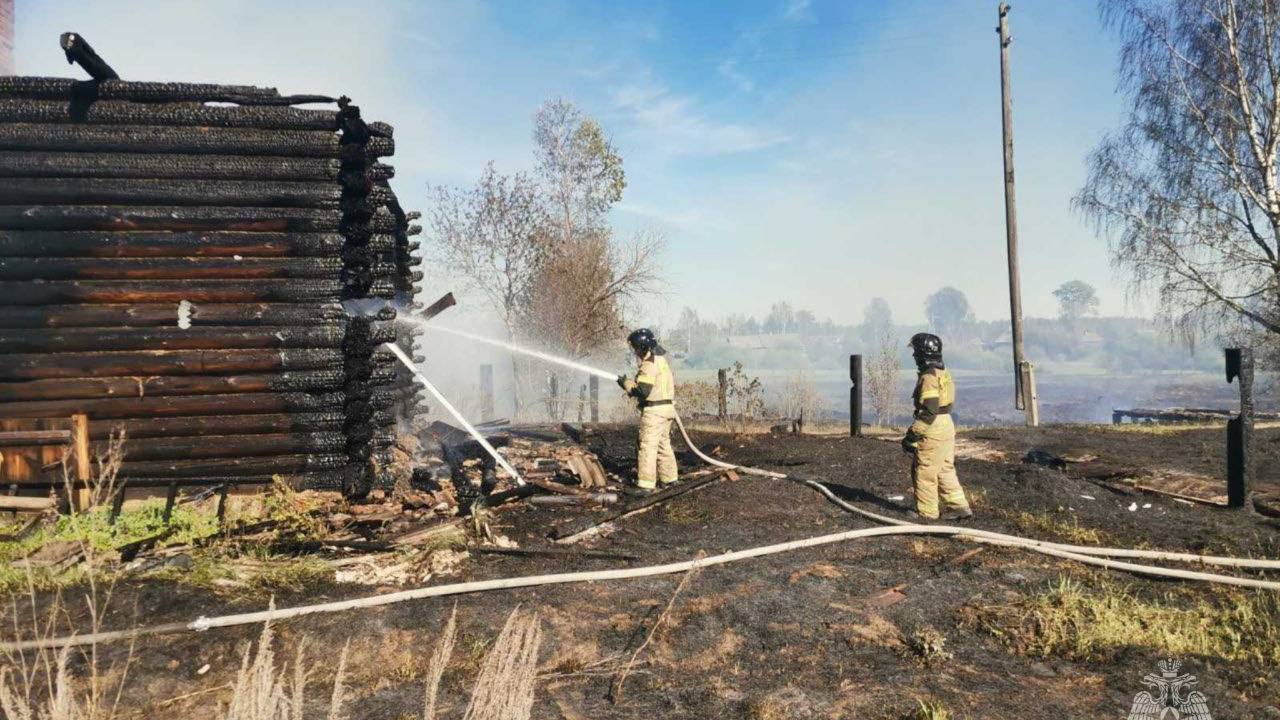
(654, 390)
(931, 439)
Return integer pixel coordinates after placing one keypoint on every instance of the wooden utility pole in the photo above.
(7, 66)
(1022, 401)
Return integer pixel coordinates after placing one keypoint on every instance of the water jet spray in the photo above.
(572, 364)
(408, 362)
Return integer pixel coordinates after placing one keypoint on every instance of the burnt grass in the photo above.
(796, 635)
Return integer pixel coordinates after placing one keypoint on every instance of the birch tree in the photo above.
(1187, 189)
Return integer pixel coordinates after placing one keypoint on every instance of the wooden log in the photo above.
(174, 291)
(15, 503)
(42, 366)
(320, 479)
(200, 425)
(266, 465)
(189, 167)
(574, 500)
(182, 218)
(184, 140)
(66, 89)
(34, 438)
(129, 191)
(138, 386)
(224, 446)
(178, 405)
(137, 315)
(39, 268)
(116, 112)
(201, 338)
(128, 244)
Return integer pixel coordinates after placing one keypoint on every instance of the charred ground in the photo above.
(991, 634)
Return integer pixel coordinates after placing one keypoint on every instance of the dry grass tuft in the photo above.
(435, 668)
(931, 710)
(505, 685)
(1062, 528)
(1078, 622)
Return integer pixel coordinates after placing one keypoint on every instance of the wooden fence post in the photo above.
(1240, 428)
(722, 398)
(855, 396)
(84, 467)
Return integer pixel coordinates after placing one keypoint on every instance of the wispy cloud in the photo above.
(729, 69)
(796, 9)
(676, 125)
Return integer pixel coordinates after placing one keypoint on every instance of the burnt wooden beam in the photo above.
(58, 292)
(195, 338)
(53, 164)
(42, 366)
(573, 528)
(121, 191)
(64, 89)
(116, 112)
(185, 140)
(202, 425)
(170, 314)
(126, 244)
(67, 89)
(41, 268)
(139, 386)
(79, 51)
(225, 446)
(177, 405)
(173, 218)
(231, 466)
(439, 306)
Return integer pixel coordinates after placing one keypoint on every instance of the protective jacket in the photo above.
(655, 387)
(934, 396)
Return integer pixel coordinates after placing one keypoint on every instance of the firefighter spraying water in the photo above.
(653, 388)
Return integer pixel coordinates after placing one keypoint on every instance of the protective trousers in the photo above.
(655, 460)
(933, 469)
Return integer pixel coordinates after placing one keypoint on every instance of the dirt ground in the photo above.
(807, 634)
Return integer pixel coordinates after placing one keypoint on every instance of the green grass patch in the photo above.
(98, 535)
(1062, 525)
(1072, 620)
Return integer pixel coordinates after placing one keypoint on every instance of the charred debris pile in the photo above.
(211, 268)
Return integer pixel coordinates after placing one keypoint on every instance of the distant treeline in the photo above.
(796, 341)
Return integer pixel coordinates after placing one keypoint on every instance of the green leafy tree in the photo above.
(580, 169)
(948, 311)
(877, 319)
(1076, 299)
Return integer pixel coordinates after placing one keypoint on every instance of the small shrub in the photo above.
(929, 646)
(931, 710)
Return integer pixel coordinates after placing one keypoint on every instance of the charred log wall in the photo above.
(181, 269)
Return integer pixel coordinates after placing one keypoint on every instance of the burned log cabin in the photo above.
(184, 262)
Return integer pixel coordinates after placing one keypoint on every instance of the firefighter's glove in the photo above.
(910, 442)
(626, 383)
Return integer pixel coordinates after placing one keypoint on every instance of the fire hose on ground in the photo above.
(1097, 556)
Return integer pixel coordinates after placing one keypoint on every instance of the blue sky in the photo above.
(818, 152)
